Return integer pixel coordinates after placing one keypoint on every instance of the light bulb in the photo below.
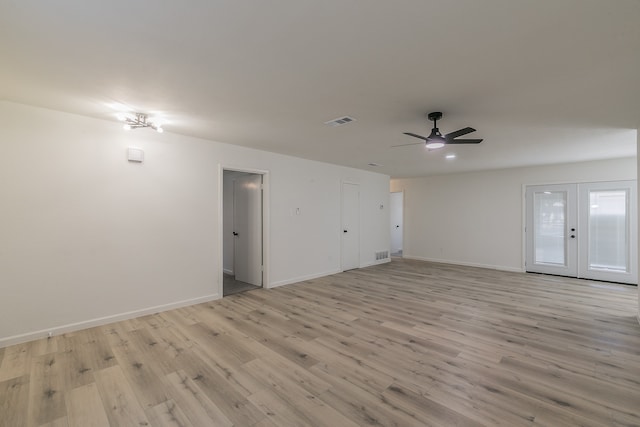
(159, 129)
(432, 145)
(127, 126)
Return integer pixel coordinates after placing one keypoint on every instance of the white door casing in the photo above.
(350, 226)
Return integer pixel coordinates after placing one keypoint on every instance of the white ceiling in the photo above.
(543, 81)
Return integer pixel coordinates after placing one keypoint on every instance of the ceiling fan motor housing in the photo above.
(436, 115)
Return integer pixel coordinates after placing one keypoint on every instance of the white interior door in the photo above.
(551, 229)
(396, 204)
(608, 225)
(586, 230)
(247, 223)
(350, 226)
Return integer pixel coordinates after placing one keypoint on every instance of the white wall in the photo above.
(87, 237)
(477, 218)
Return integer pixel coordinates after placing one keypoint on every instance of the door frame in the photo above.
(266, 280)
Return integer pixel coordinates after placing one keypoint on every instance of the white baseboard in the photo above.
(71, 327)
(380, 261)
(226, 271)
(467, 264)
(303, 278)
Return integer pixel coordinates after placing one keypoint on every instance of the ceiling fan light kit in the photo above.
(436, 140)
(433, 145)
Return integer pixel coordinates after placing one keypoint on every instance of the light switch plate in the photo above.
(135, 155)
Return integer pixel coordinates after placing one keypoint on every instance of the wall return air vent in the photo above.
(340, 121)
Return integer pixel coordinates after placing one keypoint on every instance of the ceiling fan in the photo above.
(437, 140)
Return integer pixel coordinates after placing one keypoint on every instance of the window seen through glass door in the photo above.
(550, 220)
(608, 239)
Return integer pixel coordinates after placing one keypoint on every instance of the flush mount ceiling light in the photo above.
(140, 120)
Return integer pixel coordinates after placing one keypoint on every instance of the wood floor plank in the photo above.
(45, 346)
(16, 361)
(60, 422)
(221, 390)
(196, 405)
(406, 343)
(141, 372)
(424, 409)
(46, 391)
(14, 399)
(168, 414)
(299, 410)
(119, 400)
(366, 409)
(84, 407)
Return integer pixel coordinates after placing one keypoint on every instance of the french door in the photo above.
(583, 230)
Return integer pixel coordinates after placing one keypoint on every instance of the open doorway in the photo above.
(396, 202)
(242, 225)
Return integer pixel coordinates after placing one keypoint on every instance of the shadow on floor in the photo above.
(232, 286)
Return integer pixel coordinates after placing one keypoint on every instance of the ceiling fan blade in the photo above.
(416, 136)
(459, 133)
(464, 141)
(404, 145)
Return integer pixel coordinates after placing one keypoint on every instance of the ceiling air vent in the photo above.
(340, 121)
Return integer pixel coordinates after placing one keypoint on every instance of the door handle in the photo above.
(235, 234)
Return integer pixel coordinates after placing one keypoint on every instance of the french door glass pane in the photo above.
(608, 237)
(550, 208)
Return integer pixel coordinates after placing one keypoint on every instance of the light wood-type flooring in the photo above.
(231, 286)
(406, 343)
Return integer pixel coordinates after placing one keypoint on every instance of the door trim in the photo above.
(266, 279)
